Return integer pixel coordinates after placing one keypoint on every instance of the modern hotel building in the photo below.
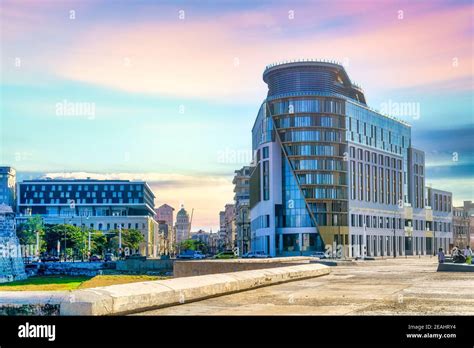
(330, 171)
(103, 205)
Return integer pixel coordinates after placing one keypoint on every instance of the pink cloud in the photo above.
(223, 56)
(216, 59)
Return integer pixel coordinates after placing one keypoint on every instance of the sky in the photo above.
(167, 91)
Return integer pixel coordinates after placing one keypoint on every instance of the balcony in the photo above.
(408, 212)
(429, 213)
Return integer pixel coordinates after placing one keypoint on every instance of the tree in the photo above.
(26, 232)
(75, 238)
(131, 238)
(192, 244)
(98, 242)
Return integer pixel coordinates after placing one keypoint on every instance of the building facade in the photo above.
(230, 227)
(330, 172)
(241, 183)
(7, 186)
(103, 205)
(469, 209)
(222, 221)
(183, 225)
(201, 236)
(439, 220)
(461, 227)
(165, 213)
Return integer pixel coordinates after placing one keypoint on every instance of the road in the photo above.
(383, 287)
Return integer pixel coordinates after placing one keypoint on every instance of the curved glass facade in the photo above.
(312, 133)
(310, 77)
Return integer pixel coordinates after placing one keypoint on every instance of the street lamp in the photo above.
(394, 234)
(83, 232)
(64, 239)
(37, 243)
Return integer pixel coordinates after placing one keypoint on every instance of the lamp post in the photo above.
(394, 234)
(72, 205)
(120, 239)
(64, 239)
(37, 243)
(364, 246)
(83, 232)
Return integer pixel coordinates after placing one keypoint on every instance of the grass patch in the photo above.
(105, 280)
(65, 283)
(44, 283)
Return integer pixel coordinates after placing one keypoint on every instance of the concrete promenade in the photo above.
(140, 296)
(409, 286)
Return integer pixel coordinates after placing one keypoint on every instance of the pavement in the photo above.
(401, 286)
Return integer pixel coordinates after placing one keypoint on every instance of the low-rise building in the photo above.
(103, 205)
(165, 213)
(461, 224)
(469, 209)
(441, 224)
(201, 236)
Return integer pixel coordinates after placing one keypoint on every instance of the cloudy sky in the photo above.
(167, 91)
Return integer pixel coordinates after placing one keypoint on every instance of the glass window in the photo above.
(265, 152)
(291, 242)
(266, 181)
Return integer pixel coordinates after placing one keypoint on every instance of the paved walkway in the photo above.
(383, 287)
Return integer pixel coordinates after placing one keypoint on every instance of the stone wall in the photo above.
(90, 269)
(11, 263)
(213, 266)
(455, 267)
(145, 265)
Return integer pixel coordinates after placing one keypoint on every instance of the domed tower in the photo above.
(182, 225)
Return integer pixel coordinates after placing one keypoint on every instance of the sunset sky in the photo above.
(176, 85)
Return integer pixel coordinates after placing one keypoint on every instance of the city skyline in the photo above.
(177, 110)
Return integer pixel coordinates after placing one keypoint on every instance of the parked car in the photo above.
(109, 257)
(198, 255)
(49, 258)
(256, 255)
(226, 255)
(191, 255)
(31, 259)
(136, 256)
(95, 258)
(319, 254)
